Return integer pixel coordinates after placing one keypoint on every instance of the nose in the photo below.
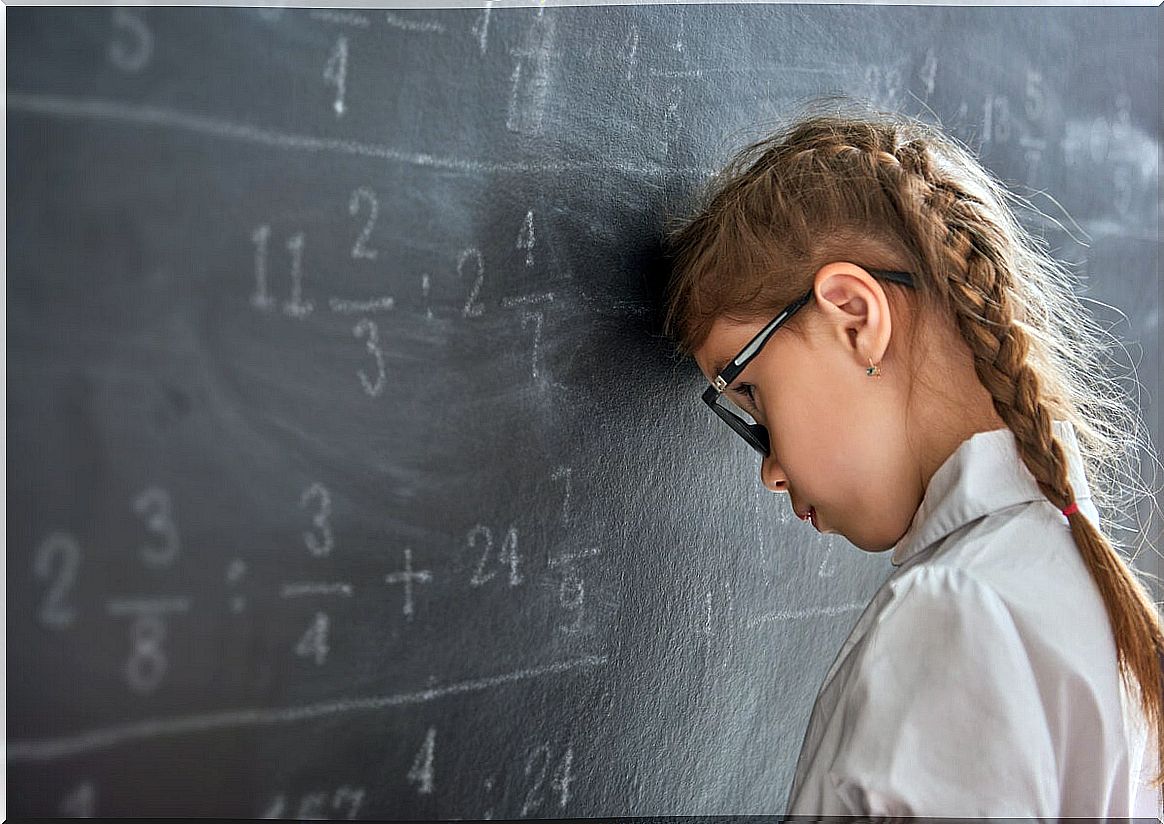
(771, 475)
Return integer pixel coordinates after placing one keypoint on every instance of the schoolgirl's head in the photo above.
(922, 312)
(850, 421)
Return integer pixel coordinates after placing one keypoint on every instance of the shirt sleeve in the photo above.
(944, 714)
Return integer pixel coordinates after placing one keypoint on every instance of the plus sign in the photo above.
(407, 577)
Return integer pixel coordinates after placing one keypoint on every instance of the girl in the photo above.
(916, 370)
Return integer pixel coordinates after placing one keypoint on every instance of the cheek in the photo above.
(844, 447)
(817, 433)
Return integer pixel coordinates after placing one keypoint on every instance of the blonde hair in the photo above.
(887, 191)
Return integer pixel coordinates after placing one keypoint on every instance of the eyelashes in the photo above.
(744, 390)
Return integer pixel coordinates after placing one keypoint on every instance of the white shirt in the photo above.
(981, 679)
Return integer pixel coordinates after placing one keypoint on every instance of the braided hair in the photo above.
(888, 191)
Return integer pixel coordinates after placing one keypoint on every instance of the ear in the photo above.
(855, 309)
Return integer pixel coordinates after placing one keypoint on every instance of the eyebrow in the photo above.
(719, 366)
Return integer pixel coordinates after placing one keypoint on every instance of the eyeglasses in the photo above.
(755, 434)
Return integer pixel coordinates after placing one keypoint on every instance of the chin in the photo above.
(869, 544)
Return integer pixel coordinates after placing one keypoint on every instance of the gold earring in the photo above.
(873, 371)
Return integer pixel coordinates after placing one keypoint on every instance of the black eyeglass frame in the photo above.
(755, 434)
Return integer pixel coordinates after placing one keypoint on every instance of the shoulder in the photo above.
(1036, 528)
(1018, 573)
(946, 651)
(945, 590)
(1016, 551)
(944, 701)
(955, 617)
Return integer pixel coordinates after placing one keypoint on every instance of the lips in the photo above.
(808, 515)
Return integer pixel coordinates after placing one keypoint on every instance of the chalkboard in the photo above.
(348, 472)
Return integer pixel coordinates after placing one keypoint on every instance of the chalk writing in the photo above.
(407, 576)
(313, 643)
(481, 534)
(472, 308)
(525, 237)
(367, 328)
(335, 72)
(154, 505)
(131, 51)
(537, 765)
(345, 801)
(57, 559)
(321, 541)
(421, 772)
(364, 195)
(147, 661)
(81, 802)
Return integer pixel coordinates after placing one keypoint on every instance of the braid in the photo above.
(973, 276)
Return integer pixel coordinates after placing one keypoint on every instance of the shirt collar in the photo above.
(984, 474)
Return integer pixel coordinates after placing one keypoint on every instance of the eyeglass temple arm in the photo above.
(720, 382)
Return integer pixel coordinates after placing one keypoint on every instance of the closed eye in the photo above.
(744, 392)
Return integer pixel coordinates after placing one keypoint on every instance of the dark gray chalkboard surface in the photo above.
(348, 475)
